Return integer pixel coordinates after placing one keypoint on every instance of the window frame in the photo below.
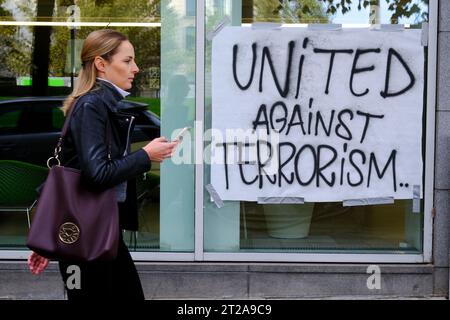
(200, 255)
(189, 12)
(424, 257)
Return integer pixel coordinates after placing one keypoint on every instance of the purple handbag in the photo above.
(72, 223)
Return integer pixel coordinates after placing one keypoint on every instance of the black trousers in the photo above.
(117, 279)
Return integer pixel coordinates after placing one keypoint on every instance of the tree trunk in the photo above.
(41, 49)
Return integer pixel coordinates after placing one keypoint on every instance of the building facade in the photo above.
(197, 239)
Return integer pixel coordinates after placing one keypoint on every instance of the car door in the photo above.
(46, 134)
(147, 126)
(30, 130)
(12, 142)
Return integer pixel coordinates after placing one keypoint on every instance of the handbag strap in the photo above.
(65, 130)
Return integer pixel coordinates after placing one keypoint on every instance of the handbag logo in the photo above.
(69, 233)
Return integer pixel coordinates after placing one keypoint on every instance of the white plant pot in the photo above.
(288, 221)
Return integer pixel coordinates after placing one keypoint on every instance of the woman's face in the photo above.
(122, 68)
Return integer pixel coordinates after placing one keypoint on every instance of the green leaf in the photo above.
(306, 9)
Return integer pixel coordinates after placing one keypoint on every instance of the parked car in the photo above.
(29, 130)
(30, 127)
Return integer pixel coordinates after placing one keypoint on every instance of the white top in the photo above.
(121, 91)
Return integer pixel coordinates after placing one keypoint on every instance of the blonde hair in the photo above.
(103, 43)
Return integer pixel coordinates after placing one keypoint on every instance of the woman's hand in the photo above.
(36, 263)
(159, 149)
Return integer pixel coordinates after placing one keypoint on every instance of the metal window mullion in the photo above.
(199, 116)
(430, 130)
(314, 257)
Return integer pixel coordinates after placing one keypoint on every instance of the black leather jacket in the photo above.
(85, 147)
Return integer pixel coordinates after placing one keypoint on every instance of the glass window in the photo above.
(190, 38)
(219, 7)
(190, 8)
(323, 227)
(177, 112)
(161, 99)
(9, 118)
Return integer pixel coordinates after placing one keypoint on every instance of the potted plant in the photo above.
(288, 221)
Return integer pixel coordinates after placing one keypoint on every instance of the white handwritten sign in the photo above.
(329, 115)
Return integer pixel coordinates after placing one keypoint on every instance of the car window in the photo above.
(8, 120)
(33, 120)
(48, 115)
(12, 116)
(31, 117)
(57, 118)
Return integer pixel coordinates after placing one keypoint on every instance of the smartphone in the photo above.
(180, 134)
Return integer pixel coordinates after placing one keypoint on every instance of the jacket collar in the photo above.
(109, 94)
(121, 91)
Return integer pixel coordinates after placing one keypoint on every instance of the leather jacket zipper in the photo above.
(128, 135)
(128, 138)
